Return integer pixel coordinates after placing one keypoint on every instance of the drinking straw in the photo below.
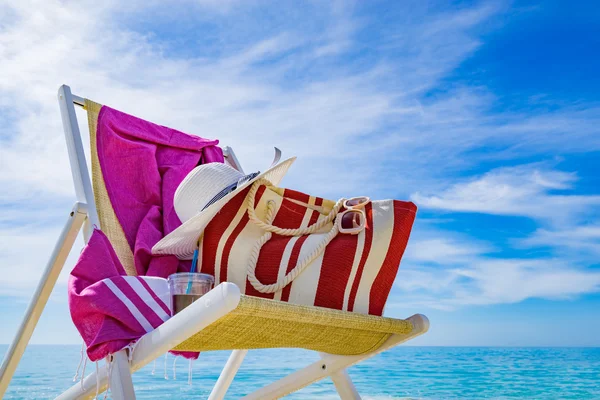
(192, 270)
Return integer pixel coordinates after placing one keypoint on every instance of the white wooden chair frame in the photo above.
(217, 303)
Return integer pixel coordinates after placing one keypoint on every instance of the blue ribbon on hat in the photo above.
(230, 189)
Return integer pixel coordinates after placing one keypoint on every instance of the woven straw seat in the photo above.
(258, 323)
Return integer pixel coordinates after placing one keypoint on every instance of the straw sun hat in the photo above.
(200, 196)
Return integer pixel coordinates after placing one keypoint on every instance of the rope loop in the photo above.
(267, 226)
(269, 229)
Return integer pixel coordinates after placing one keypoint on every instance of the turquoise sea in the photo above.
(403, 373)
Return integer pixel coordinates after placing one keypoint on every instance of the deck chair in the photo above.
(223, 319)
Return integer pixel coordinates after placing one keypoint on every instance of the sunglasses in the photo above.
(353, 220)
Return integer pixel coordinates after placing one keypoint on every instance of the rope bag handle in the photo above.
(270, 229)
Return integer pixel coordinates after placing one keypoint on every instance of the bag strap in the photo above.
(270, 229)
(267, 226)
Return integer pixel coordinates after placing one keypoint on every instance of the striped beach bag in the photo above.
(285, 245)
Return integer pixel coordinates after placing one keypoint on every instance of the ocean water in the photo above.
(402, 373)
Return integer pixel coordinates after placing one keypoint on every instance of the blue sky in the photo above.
(485, 114)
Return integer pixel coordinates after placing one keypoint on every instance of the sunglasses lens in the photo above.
(352, 220)
(356, 201)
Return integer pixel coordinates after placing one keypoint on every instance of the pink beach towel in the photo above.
(109, 308)
(142, 164)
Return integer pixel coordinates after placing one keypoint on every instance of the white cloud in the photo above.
(446, 274)
(527, 190)
(450, 251)
(24, 254)
(512, 281)
(578, 241)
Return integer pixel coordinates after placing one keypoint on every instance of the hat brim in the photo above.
(183, 241)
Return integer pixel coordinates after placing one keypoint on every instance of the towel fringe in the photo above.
(166, 374)
(174, 369)
(97, 382)
(190, 372)
(110, 363)
(130, 349)
(80, 361)
(83, 372)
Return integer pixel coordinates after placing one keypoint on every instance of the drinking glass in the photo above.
(187, 287)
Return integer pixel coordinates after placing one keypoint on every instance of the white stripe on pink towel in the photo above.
(130, 306)
(146, 297)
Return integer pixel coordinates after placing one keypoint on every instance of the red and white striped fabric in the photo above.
(354, 273)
